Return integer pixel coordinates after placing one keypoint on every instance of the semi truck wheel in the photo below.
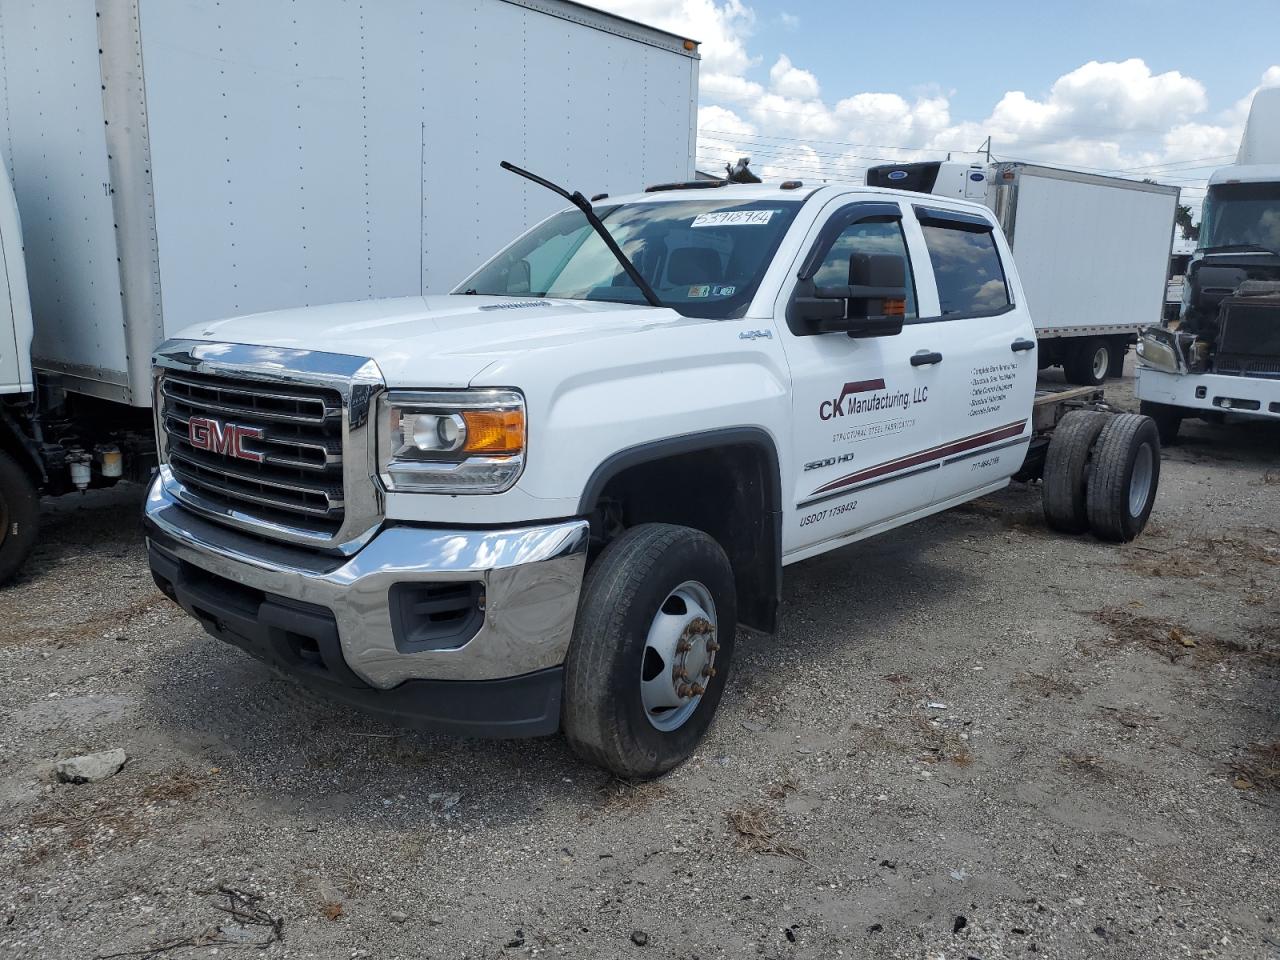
(651, 650)
(1168, 420)
(1066, 470)
(1124, 478)
(19, 516)
(1088, 362)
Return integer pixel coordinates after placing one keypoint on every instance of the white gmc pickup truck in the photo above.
(547, 500)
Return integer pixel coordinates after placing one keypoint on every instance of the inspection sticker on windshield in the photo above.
(734, 218)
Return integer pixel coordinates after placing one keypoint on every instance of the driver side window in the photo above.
(868, 236)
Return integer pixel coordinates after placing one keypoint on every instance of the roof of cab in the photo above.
(773, 190)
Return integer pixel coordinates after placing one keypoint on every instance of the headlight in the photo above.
(450, 441)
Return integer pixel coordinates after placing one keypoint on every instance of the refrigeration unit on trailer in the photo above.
(1220, 357)
(180, 163)
(1093, 251)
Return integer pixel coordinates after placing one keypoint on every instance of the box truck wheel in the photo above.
(1167, 417)
(1088, 362)
(1066, 465)
(651, 649)
(1124, 477)
(19, 516)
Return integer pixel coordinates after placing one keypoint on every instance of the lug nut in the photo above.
(698, 689)
(684, 646)
(683, 690)
(712, 646)
(680, 673)
(708, 671)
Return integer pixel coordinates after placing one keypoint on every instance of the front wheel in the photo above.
(651, 650)
(1167, 417)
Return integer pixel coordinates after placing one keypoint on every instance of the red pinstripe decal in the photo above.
(926, 456)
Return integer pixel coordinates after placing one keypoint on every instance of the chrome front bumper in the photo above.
(531, 579)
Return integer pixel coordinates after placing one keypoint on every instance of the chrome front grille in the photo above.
(270, 440)
(299, 477)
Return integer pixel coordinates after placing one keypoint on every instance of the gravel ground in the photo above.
(971, 738)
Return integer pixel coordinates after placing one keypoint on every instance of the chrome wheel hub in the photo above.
(679, 656)
(1101, 362)
(1140, 480)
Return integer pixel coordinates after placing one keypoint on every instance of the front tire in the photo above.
(19, 516)
(651, 650)
(1168, 420)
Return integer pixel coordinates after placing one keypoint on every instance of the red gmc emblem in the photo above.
(227, 439)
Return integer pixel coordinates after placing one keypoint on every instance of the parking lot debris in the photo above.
(639, 938)
(91, 767)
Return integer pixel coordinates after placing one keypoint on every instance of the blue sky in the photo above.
(1026, 48)
(822, 89)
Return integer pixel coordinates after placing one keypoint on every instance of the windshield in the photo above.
(704, 258)
(1241, 215)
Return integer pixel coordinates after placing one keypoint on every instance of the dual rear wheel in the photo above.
(1101, 473)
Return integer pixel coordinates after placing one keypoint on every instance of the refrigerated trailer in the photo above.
(179, 163)
(1093, 251)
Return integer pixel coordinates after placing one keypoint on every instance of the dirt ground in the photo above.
(971, 738)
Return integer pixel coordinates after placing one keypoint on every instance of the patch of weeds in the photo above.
(620, 795)
(1259, 769)
(941, 743)
(1172, 640)
(756, 831)
(1086, 763)
(779, 789)
(1046, 685)
(1130, 717)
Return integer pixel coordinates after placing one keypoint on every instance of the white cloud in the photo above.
(788, 80)
(1104, 115)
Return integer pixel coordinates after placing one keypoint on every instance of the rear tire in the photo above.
(19, 516)
(1088, 362)
(1066, 465)
(1124, 478)
(627, 707)
(1168, 420)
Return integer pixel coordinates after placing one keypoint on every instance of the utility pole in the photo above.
(986, 147)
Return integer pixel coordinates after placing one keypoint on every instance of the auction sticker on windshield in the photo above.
(734, 218)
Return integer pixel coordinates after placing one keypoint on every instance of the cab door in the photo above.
(988, 344)
(862, 407)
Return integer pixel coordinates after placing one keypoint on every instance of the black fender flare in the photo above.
(755, 438)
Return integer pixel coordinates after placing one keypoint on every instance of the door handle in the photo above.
(1021, 345)
(925, 359)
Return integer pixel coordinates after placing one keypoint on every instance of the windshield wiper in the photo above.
(581, 202)
(1240, 248)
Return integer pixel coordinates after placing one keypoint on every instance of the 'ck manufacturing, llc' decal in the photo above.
(869, 396)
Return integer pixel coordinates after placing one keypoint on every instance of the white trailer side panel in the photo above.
(1093, 258)
(54, 147)
(329, 151)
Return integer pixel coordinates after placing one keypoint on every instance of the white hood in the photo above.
(438, 341)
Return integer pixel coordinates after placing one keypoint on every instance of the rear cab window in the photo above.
(966, 263)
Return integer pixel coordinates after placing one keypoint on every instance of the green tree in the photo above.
(1183, 219)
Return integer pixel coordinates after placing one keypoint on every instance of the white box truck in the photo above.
(1219, 358)
(1093, 251)
(179, 163)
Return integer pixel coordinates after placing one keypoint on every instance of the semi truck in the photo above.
(1093, 251)
(166, 164)
(1219, 359)
(548, 499)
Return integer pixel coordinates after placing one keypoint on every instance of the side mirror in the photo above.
(872, 304)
